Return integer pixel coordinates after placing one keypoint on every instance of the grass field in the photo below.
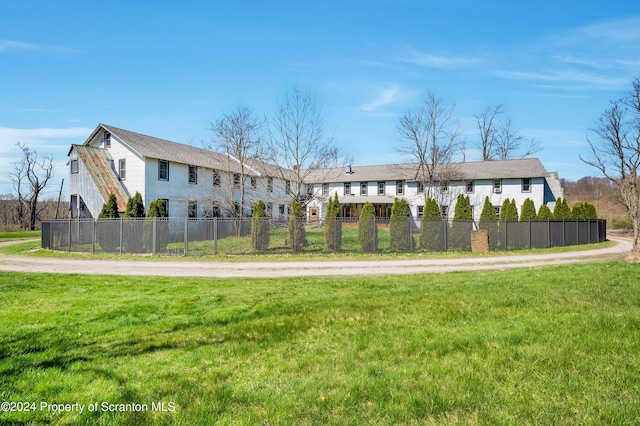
(556, 345)
(18, 235)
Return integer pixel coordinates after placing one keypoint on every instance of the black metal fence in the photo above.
(221, 236)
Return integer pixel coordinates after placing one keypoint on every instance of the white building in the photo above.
(193, 182)
(200, 183)
(380, 185)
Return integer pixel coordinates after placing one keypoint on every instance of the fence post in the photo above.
(93, 236)
(529, 233)
(564, 234)
(445, 226)
(589, 230)
(121, 226)
(153, 235)
(215, 236)
(577, 232)
(548, 233)
(186, 235)
(69, 239)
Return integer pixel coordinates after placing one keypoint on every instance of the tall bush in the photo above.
(158, 210)
(135, 206)
(132, 230)
(488, 213)
(297, 234)
(460, 234)
(332, 225)
(488, 222)
(106, 238)
(528, 211)
(431, 229)
(400, 227)
(367, 229)
(544, 213)
(259, 227)
(561, 211)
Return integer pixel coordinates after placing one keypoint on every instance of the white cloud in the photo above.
(412, 55)
(41, 137)
(617, 31)
(54, 142)
(18, 46)
(385, 97)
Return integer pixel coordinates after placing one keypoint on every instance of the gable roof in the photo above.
(502, 169)
(162, 149)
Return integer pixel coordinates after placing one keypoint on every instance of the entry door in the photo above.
(314, 213)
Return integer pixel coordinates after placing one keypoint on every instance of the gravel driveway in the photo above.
(168, 268)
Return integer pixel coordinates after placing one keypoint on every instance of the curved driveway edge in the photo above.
(619, 249)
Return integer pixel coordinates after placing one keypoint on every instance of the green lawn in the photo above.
(555, 345)
(18, 235)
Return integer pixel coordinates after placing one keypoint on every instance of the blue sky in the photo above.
(168, 69)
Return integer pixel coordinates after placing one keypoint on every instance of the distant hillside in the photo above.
(600, 192)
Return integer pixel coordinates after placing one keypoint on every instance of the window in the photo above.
(193, 174)
(287, 187)
(497, 186)
(163, 170)
(325, 189)
(270, 184)
(526, 185)
(165, 205)
(106, 139)
(269, 209)
(420, 212)
(192, 209)
(216, 179)
(364, 188)
(281, 210)
(122, 169)
(420, 188)
(381, 187)
(310, 190)
(254, 183)
(215, 209)
(236, 180)
(74, 166)
(347, 189)
(444, 211)
(444, 186)
(497, 209)
(470, 186)
(399, 187)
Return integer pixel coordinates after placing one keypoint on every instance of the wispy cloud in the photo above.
(566, 78)
(602, 56)
(21, 46)
(411, 55)
(616, 31)
(386, 96)
(45, 138)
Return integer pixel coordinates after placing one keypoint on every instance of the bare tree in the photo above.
(487, 122)
(238, 135)
(298, 140)
(499, 140)
(616, 152)
(30, 177)
(430, 135)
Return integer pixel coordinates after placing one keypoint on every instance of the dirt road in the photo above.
(618, 249)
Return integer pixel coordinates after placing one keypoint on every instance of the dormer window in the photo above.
(106, 139)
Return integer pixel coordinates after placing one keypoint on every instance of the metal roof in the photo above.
(97, 161)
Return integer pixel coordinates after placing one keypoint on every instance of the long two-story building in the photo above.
(196, 182)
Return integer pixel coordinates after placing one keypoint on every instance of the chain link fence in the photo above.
(230, 237)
